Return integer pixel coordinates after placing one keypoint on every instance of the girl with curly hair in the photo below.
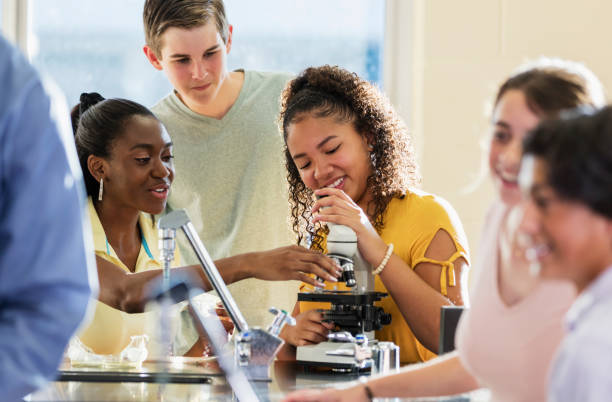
(506, 340)
(344, 141)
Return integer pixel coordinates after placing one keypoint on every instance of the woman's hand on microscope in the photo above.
(293, 263)
(309, 329)
(337, 207)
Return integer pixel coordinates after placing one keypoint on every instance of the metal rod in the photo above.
(212, 273)
(167, 244)
(179, 219)
(215, 333)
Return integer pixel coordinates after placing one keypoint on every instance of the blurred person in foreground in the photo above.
(46, 263)
(567, 172)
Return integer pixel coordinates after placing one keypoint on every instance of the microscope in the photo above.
(351, 346)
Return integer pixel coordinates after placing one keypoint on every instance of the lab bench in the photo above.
(193, 381)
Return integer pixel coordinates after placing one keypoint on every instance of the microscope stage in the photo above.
(342, 297)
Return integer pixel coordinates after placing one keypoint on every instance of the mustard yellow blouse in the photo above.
(411, 223)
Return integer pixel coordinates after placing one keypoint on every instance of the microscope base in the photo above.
(255, 351)
(333, 355)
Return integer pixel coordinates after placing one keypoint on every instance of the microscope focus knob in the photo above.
(385, 318)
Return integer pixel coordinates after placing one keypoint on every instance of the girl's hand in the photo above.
(512, 243)
(293, 263)
(353, 394)
(518, 274)
(309, 329)
(337, 207)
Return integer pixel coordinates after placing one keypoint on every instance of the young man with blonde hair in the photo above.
(229, 152)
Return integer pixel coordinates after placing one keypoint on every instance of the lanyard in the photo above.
(144, 244)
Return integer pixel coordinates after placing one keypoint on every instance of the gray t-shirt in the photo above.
(230, 177)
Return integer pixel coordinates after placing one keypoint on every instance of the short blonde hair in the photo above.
(159, 15)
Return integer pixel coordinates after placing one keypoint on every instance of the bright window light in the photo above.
(92, 45)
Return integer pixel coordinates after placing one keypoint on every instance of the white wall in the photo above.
(458, 52)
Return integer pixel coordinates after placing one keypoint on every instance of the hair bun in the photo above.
(87, 100)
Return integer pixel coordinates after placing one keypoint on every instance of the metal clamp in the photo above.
(255, 348)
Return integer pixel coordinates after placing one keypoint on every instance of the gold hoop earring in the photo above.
(101, 191)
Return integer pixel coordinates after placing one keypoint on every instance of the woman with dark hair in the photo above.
(506, 339)
(568, 217)
(344, 141)
(126, 157)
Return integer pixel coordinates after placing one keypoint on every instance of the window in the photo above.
(293, 35)
(89, 45)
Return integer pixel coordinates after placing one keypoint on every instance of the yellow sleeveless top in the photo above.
(110, 329)
(411, 223)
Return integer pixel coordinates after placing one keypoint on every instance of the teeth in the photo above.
(536, 252)
(160, 190)
(509, 178)
(336, 183)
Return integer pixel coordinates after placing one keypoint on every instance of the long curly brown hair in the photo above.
(331, 91)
